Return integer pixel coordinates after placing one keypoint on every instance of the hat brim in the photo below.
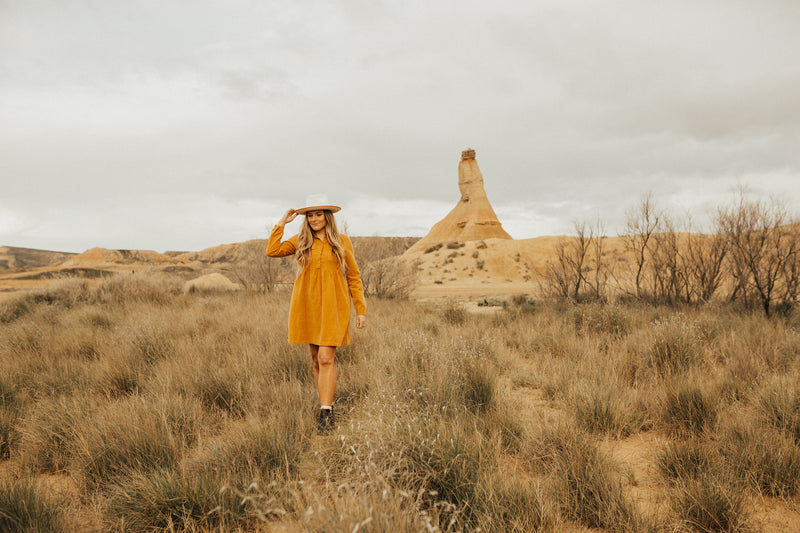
(331, 208)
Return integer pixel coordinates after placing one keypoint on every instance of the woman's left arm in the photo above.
(354, 282)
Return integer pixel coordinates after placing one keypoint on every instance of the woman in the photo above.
(328, 278)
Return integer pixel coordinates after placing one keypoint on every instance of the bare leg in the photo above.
(326, 382)
(315, 362)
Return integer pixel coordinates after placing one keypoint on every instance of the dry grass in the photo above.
(163, 411)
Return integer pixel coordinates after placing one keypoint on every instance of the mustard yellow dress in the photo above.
(321, 297)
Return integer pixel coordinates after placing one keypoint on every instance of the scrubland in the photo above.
(126, 405)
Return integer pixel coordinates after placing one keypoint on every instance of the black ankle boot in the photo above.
(325, 423)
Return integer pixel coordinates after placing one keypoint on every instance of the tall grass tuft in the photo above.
(127, 436)
(17, 308)
(606, 410)
(221, 388)
(763, 458)
(349, 507)
(9, 414)
(685, 460)
(166, 500)
(612, 320)
(49, 432)
(290, 363)
(152, 343)
(708, 503)
(9, 434)
(29, 507)
(585, 483)
(264, 449)
(439, 454)
(687, 409)
(778, 400)
(124, 289)
(444, 457)
(675, 345)
(514, 503)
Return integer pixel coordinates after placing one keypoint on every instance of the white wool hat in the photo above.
(316, 202)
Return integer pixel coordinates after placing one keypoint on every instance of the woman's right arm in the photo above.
(276, 248)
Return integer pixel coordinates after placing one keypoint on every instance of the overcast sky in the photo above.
(183, 125)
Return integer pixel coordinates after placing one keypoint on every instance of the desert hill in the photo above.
(491, 268)
(12, 257)
(242, 263)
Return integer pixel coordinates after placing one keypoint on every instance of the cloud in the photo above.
(574, 109)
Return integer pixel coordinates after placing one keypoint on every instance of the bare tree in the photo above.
(600, 268)
(388, 278)
(253, 269)
(642, 222)
(383, 272)
(579, 266)
(666, 265)
(764, 244)
(704, 263)
(559, 276)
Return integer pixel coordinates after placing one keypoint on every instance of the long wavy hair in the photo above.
(306, 238)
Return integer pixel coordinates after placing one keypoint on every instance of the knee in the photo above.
(325, 359)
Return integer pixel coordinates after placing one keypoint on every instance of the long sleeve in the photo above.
(276, 248)
(354, 278)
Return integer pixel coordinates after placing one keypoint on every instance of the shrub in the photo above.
(28, 507)
(479, 384)
(443, 456)
(15, 309)
(439, 455)
(137, 288)
(454, 314)
(433, 248)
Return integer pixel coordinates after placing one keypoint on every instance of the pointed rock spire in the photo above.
(473, 218)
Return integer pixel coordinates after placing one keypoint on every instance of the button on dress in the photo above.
(322, 295)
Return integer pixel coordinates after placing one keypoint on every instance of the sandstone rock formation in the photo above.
(473, 218)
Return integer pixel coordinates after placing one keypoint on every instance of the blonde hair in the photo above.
(305, 239)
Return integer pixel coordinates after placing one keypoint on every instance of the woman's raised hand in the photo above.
(287, 217)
